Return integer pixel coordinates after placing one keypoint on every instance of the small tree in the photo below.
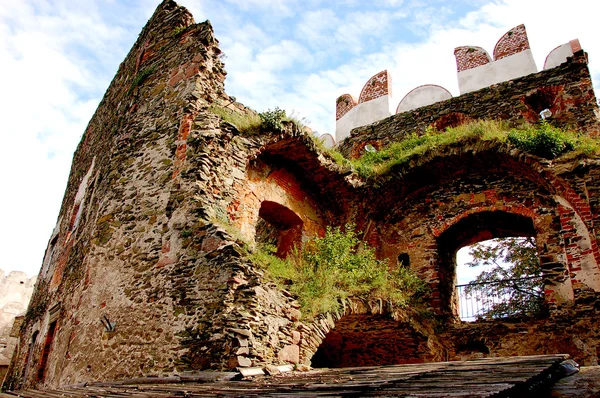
(514, 280)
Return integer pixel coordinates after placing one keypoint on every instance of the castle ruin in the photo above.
(142, 278)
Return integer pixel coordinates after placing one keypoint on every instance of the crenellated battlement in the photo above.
(476, 70)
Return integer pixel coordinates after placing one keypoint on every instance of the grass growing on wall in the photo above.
(337, 266)
(272, 120)
(332, 152)
(249, 123)
(540, 139)
(254, 123)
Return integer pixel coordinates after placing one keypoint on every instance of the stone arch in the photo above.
(283, 223)
(580, 248)
(475, 227)
(423, 95)
(469, 57)
(366, 334)
(377, 86)
(276, 177)
(512, 42)
(343, 104)
(456, 182)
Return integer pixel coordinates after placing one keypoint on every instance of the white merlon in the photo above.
(504, 69)
(422, 96)
(363, 114)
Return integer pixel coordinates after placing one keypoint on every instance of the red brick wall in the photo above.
(468, 57)
(514, 41)
(377, 86)
(343, 104)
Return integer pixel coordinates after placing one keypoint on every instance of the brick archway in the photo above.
(480, 226)
(367, 333)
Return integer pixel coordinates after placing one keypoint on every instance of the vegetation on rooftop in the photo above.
(249, 123)
(541, 139)
(327, 270)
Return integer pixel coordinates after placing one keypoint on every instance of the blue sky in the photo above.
(58, 57)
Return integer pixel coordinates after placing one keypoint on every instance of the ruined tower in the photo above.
(146, 273)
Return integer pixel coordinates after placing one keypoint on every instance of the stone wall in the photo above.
(112, 254)
(475, 70)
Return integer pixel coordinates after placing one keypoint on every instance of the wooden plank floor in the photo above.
(490, 377)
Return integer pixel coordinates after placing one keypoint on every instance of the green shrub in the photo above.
(542, 140)
(337, 266)
(178, 31)
(271, 119)
(398, 153)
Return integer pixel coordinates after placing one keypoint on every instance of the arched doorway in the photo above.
(474, 228)
(500, 278)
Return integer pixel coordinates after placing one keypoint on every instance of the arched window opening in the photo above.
(278, 226)
(499, 278)
(502, 292)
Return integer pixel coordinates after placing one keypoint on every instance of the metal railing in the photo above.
(477, 299)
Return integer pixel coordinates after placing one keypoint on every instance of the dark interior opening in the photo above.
(404, 260)
(278, 226)
(371, 340)
(473, 345)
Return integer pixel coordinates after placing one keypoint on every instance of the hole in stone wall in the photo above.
(543, 98)
(278, 226)
(404, 260)
(473, 345)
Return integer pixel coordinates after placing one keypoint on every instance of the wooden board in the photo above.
(497, 377)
